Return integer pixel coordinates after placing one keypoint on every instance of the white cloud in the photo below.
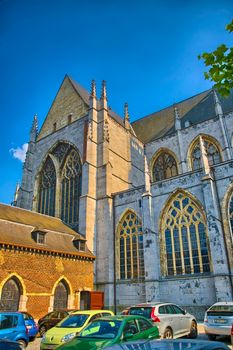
(20, 152)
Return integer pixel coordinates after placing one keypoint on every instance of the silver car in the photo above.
(219, 319)
(171, 320)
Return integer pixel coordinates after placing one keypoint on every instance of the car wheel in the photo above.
(193, 330)
(22, 344)
(211, 336)
(42, 330)
(168, 333)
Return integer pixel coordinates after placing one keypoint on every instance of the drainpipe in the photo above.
(114, 254)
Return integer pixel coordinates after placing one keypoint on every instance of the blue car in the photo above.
(31, 325)
(12, 327)
(9, 345)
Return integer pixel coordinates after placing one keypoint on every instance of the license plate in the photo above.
(220, 320)
(50, 347)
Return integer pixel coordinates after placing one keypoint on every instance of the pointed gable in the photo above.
(71, 100)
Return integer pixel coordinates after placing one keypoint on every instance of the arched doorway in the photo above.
(61, 296)
(11, 293)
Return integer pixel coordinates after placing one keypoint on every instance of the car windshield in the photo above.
(73, 321)
(141, 311)
(102, 329)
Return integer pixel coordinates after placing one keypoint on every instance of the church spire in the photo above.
(177, 118)
(126, 116)
(16, 195)
(34, 129)
(92, 97)
(104, 95)
(126, 112)
(217, 105)
(93, 88)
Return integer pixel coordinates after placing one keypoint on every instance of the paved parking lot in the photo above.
(35, 345)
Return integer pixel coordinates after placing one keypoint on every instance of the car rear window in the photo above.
(225, 310)
(141, 311)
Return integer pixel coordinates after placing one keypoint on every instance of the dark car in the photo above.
(170, 344)
(51, 319)
(9, 345)
(31, 325)
(12, 327)
(232, 335)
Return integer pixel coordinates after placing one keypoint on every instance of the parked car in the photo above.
(12, 327)
(219, 319)
(31, 325)
(68, 328)
(172, 321)
(168, 344)
(9, 345)
(111, 330)
(51, 319)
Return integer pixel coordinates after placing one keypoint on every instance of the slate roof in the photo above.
(195, 109)
(17, 225)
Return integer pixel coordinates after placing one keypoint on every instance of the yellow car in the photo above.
(69, 327)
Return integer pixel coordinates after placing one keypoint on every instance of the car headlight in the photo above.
(68, 337)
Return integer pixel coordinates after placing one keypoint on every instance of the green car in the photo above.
(111, 330)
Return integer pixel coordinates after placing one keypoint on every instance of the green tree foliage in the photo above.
(220, 62)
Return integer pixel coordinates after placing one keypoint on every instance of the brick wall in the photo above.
(38, 275)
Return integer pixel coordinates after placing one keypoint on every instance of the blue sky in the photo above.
(146, 50)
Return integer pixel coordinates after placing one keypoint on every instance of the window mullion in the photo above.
(199, 247)
(131, 254)
(181, 249)
(190, 249)
(125, 256)
(173, 251)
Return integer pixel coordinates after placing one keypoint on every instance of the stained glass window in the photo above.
(130, 247)
(71, 189)
(184, 237)
(212, 152)
(47, 189)
(164, 167)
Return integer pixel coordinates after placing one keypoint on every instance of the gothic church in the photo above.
(153, 198)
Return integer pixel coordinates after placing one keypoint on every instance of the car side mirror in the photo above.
(128, 336)
(184, 312)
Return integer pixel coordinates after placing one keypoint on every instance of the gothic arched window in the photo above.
(230, 213)
(130, 247)
(164, 167)
(212, 152)
(47, 188)
(71, 189)
(61, 296)
(10, 297)
(184, 238)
